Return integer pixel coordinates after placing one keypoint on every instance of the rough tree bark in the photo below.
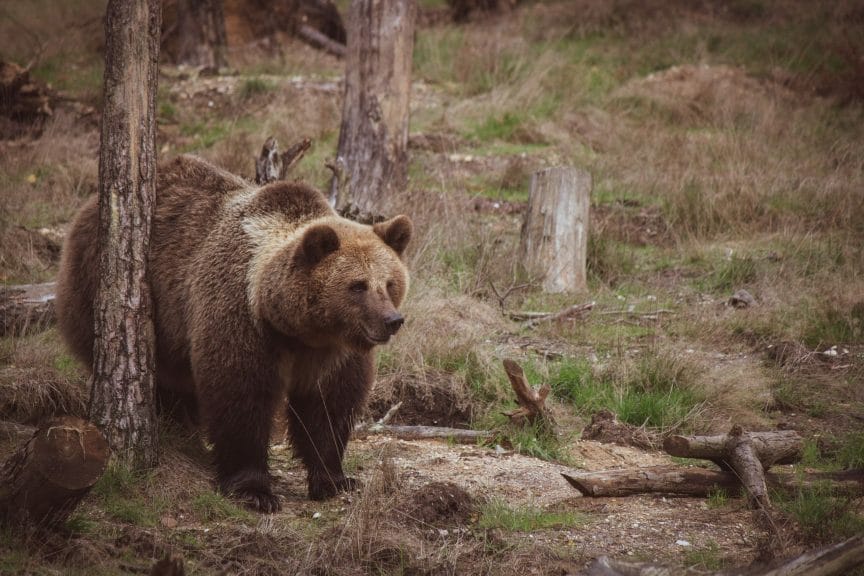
(201, 33)
(47, 476)
(554, 243)
(373, 137)
(121, 400)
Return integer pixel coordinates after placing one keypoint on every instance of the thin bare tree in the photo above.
(122, 395)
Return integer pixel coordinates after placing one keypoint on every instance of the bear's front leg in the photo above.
(321, 416)
(238, 406)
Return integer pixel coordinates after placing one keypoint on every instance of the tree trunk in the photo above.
(121, 400)
(201, 33)
(700, 482)
(373, 137)
(45, 479)
(554, 243)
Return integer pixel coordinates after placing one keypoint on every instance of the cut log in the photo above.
(774, 447)
(700, 482)
(26, 309)
(532, 403)
(835, 560)
(554, 240)
(44, 479)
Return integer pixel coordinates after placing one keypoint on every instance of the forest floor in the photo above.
(726, 145)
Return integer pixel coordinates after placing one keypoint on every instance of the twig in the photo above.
(503, 297)
(632, 313)
(574, 310)
(293, 155)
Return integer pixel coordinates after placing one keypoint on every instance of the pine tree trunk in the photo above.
(373, 138)
(554, 244)
(201, 31)
(121, 401)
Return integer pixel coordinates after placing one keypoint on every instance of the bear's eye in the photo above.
(358, 286)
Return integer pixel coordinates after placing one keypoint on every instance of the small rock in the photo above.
(682, 543)
(168, 521)
(316, 515)
(742, 299)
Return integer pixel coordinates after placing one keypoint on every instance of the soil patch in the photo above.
(442, 504)
(428, 399)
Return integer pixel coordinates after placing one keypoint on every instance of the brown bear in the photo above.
(258, 292)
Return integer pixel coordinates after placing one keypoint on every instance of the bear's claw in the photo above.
(258, 500)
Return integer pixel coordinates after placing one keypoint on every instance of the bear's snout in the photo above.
(393, 322)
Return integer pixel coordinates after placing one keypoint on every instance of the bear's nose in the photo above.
(394, 322)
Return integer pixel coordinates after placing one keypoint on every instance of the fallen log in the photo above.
(749, 454)
(47, 476)
(26, 309)
(774, 447)
(834, 560)
(701, 482)
(320, 40)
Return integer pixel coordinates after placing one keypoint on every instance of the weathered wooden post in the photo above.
(554, 244)
(373, 137)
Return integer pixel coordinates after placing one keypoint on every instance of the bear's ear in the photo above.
(395, 232)
(318, 241)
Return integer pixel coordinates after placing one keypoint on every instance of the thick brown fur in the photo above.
(257, 292)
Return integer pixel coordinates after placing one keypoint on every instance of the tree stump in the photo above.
(373, 137)
(44, 480)
(532, 403)
(554, 243)
(201, 33)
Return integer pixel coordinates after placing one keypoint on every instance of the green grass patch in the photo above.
(832, 324)
(210, 506)
(850, 455)
(525, 518)
(122, 492)
(657, 391)
(822, 514)
(609, 261)
(729, 275)
(708, 557)
(718, 498)
(254, 86)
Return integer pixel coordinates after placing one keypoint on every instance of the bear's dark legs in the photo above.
(238, 421)
(321, 415)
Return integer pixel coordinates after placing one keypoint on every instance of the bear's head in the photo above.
(338, 283)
